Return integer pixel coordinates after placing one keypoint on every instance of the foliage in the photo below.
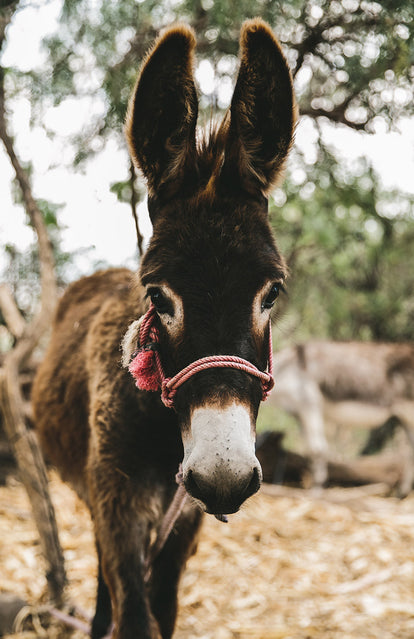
(347, 245)
(353, 60)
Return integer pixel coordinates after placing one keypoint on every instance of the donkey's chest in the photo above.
(137, 435)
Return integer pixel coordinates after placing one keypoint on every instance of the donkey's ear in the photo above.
(262, 113)
(162, 113)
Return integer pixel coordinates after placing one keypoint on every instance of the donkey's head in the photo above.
(212, 270)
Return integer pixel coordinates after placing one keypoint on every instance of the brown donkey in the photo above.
(212, 273)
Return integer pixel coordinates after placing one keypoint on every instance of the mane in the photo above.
(211, 143)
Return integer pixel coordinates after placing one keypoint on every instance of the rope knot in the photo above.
(145, 366)
(167, 394)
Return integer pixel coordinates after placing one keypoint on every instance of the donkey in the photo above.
(350, 384)
(212, 273)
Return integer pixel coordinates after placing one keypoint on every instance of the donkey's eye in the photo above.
(271, 296)
(161, 303)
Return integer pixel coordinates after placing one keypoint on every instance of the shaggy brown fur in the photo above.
(212, 250)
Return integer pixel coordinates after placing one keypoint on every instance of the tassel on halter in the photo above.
(143, 369)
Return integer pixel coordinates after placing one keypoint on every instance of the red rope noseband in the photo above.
(147, 370)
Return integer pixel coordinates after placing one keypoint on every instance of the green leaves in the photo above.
(350, 260)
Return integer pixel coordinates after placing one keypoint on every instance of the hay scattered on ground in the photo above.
(291, 566)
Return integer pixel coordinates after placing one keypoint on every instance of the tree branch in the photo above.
(12, 316)
(140, 238)
(33, 474)
(12, 404)
(49, 290)
(336, 115)
(316, 35)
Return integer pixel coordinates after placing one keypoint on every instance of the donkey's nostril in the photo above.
(199, 487)
(254, 483)
(195, 485)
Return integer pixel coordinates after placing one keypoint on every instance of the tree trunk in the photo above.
(12, 405)
(33, 474)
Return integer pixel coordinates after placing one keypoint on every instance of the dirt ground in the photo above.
(290, 565)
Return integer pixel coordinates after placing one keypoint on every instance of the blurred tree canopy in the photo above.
(347, 240)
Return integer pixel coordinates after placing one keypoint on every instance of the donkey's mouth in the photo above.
(222, 518)
(222, 515)
(220, 500)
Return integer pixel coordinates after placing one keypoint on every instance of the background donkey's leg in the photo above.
(406, 418)
(168, 566)
(311, 419)
(313, 430)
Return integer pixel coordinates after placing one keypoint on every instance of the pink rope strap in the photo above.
(147, 370)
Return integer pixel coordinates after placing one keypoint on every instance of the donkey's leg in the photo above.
(168, 566)
(103, 616)
(122, 521)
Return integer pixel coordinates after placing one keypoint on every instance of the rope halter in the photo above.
(148, 372)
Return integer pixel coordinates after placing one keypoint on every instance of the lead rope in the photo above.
(174, 511)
